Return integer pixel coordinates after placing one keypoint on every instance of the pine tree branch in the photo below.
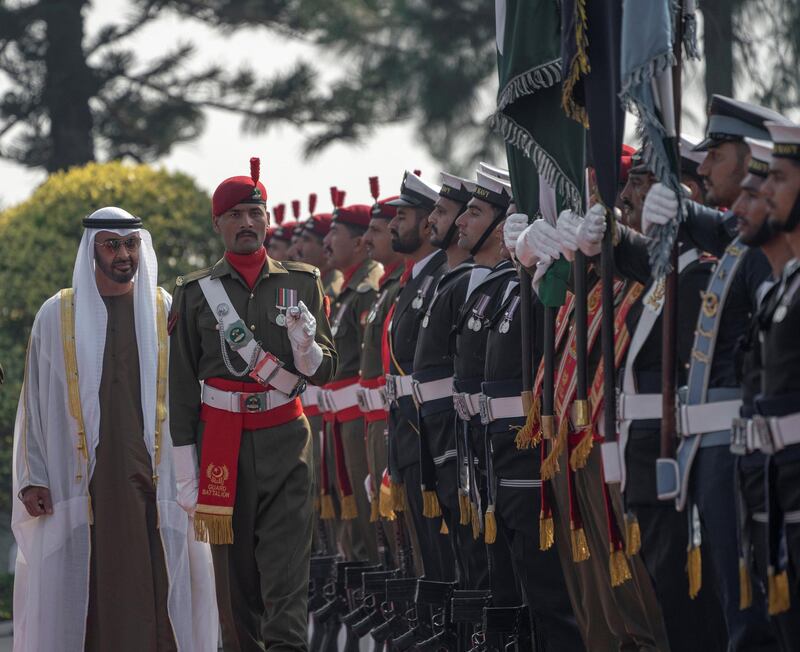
(114, 33)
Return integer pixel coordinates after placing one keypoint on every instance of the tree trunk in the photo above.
(69, 85)
(718, 46)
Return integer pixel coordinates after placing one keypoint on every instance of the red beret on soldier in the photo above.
(357, 215)
(381, 208)
(240, 190)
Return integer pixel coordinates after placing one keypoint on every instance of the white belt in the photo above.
(507, 407)
(632, 407)
(773, 434)
(467, 405)
(371, 399)
(707, 417)
(245, 402)
(432, 390)
(310, 397)
(398, 387)
(336, 400)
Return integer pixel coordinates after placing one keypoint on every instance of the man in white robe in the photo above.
(104, 561)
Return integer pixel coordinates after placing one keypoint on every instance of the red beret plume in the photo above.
(255, 169)
(374, 187)
(312, 203)
(279, 212)
(334, 196)
(418, 172)
(296, 208)
(340, 198)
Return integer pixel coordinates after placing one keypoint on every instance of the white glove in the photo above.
(591, 231)
(301, 328)
(567, 226)
(660, 206)
(514, 225)
(368, 488)
(187, 477)
(539, 242)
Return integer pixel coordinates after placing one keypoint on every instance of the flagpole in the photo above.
(526, 319)
(582, 416)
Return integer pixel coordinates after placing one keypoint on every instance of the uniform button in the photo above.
(252, 296)
(252, 327)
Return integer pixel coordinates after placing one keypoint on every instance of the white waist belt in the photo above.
(336, 400)
(773, 434)
(244, 402)
(467, 405)
(707, 417)
(507, 407)
(432, 390)
(371, 399)
(631, 407)
(398, 387)
(310, 397)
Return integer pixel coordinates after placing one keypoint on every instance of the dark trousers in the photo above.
(713, 490)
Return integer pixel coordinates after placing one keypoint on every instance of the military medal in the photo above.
(285, 298)
(780, 313)
(280, 319)
(416, 304)
(505, 325)
(426, 320)
(373, 313)
(475, 322)
(338, 318)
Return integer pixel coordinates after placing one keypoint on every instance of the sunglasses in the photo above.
(113, 244)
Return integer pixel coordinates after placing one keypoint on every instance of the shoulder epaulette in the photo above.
(294, 266)
(192, 276)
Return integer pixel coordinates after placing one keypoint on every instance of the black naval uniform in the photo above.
(433, 360)
(409, 309)
(516, 482)
(469, 367)
(691, 624)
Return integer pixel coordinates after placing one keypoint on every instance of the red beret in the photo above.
(357, 215)
(283, 231)
(625, 163)
(239, 190)
(318, 224)
(381, 209)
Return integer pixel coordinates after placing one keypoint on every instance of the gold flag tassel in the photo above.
(444, 529)
(550, 464)
(745, 586)
(580, 454)
(618, 567)
(580, 546)
(633, 536)
(326, 511)
(213, 528)
(464, 509)
(694, 568)
(546, 532)
(398, 497)
(476, 521)
(430, 504)
(530, 433)
(490, 526)
(349, 508)
(374, 510)
(386, 504)
(778, 592)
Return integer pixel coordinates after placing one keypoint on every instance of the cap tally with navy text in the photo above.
(415, 192)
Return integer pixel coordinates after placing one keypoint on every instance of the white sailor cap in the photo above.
(415, 192)
(732, 120)
(455, 188)
(492, 189)
(500, 173)
(786, 140)
(760, 156)
(688, 152)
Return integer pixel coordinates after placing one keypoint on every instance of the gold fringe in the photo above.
(633, 536)
(546, 532)
(374, 511)
(317, 504)
(745, 586)
(213, 528)
(430, 505)
(778, 593)
(530, 434)
(476, 522)
(398, 497)
(580, 546)
(386, 506)
(580, 454)
(326, 511)
(550, 464)
(618, 567)
(547, 426)
(349, 508)
(694, 568)
(490, 526)
(464, 509)
(578, 66)
(444, 529)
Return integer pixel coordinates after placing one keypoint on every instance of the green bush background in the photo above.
(39, 240)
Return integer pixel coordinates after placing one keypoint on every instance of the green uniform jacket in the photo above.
(195, 352)
(349, 316)
(371, 349)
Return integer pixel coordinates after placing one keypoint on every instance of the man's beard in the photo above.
(116, 275)
(765, 233)
(407, 245)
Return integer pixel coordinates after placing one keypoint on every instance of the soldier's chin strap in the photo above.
(501, 215)
(451, 232)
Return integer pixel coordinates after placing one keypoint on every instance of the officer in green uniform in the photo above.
(253, 330)
(344, 432)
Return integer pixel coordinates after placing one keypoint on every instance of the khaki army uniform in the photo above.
(345, 456)
(262, 577)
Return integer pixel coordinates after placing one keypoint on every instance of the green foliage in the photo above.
(6, 596)
(39, 240)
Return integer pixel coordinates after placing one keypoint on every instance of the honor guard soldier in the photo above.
(478, 234)
(777, 424)
(254, 331)
(280, 235)
(433, 384)
(344, 452)
(371, 394)
(411, 237)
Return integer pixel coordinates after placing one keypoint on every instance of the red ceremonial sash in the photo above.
(219, 457)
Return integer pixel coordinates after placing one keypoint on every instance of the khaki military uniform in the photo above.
(262, 577)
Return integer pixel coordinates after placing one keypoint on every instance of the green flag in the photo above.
(541, 140)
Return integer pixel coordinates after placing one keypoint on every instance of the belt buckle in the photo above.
(361, 399)
(322, 400)
(682, 420)
(251, 402)
(763, 432)
(255, 374)
(620, 406)
(382, 397)
(391, 389)
(739, 436)
(461, 406)
(416, 393)
(299, 388)
(484, 409)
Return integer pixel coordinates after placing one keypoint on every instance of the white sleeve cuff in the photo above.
(307, 362)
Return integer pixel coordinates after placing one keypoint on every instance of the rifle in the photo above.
(507, 628)
(354, 577)
(434, 598)
(373, 588)
(330, 614)
(320, 574)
